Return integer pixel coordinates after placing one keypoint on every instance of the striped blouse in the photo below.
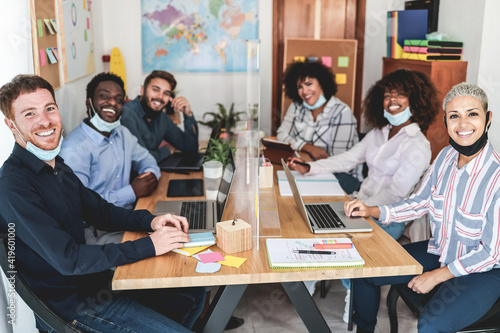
(464, 210)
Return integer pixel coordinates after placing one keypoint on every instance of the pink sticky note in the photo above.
(327, 61)
(54, 52)
(88, 23)
(43, 59)
(210, 257)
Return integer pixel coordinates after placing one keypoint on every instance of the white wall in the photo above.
(488, 72)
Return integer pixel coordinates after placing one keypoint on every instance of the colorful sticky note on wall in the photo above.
(85, 35)
(43, 60)
(343, 61)
(327, 61)
(52, 59)
(341, 78)
(54, 25)
(55, 53)
(47, 23)
(88, 23)
(39, 25)
(299, 59)
(84, 4)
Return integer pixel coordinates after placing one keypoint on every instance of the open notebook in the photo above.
(284, 253)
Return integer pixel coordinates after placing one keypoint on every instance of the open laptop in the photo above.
(325, 217)
(189, 161)
(202, 215)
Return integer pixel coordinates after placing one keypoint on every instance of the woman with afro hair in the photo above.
(400, 107)
(317, 122)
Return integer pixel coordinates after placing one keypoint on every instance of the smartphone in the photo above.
(169, 108)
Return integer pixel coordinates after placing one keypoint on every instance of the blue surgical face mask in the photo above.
(100, 124)
(399, 118)
(44, 155)
(321, 100)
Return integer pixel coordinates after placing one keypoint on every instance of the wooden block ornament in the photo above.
(234, 236)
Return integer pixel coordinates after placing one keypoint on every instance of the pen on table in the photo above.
(313, 252)
(297, 162)
(333, 246)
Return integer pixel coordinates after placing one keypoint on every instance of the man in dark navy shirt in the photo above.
(154, 129)
(46, 204)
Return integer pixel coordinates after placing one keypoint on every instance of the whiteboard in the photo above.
(77, 39)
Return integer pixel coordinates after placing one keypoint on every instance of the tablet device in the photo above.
(185, 188)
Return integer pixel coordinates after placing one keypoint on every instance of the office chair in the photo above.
(490, 322)
(41, 310)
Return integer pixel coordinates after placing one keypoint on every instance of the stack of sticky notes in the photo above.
(432, 50)
(199, 242)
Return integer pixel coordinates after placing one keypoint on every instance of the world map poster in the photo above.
(198, 35)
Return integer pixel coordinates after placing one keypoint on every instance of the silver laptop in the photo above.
(325, 217)
(202, 215)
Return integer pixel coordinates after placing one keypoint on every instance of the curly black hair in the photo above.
(101, 77)
(298, 71)
(418, 87)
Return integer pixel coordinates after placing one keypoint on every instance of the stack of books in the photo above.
(432, 50)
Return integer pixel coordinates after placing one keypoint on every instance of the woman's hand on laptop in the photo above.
(357, 208)
(168, 238)
(179, 222)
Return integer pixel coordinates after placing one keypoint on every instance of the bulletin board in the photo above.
(78, 39)
(338, 54)
(44, 31)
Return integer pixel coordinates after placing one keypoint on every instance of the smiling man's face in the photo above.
(108, 101)
(37, 119)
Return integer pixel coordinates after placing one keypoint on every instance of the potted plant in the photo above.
(230, 117)
(218, 150)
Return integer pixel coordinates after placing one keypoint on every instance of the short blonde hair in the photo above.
(466, 89)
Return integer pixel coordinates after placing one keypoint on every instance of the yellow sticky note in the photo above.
(299, 59)
(341, 78)
(233, 261)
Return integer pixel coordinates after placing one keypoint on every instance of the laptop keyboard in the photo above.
(196, 213)
(325, 216)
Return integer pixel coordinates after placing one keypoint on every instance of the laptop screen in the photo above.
(225, 186)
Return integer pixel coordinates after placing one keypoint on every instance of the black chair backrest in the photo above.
(46, 314)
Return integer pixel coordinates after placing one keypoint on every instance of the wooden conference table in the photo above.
(383, 257)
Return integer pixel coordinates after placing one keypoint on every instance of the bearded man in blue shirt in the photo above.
(102, 153)
(41, 196)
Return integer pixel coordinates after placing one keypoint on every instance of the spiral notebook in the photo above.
(284, 253)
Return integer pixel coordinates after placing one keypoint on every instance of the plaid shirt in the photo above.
(334, 129)
(464, 210)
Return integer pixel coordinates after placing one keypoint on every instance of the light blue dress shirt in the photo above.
(104, 164)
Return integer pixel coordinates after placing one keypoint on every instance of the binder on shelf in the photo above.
(300, 253)
(432, 43)
(404, 24)
(432, 50)
(432, 57)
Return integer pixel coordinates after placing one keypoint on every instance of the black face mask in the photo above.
(150, 113)
(476, 146)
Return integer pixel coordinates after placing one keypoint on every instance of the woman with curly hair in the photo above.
(317, 122)
(400, 106)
